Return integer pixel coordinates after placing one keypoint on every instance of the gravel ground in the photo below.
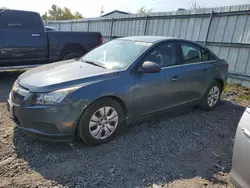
(191, 148)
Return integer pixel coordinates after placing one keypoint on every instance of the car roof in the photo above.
(6, 9)
(156, 39)
(151, 39)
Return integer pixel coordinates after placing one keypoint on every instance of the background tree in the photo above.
(77, 15)
(194, 5)
(45, 16)
(66, 14)
(53, 11)
(144, 10)
(58, 13)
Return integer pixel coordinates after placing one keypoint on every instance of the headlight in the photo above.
(54, 97)
(14, 87)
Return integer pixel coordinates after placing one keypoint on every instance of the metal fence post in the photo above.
(209, 25)
(111, 28)
(59, 26)
(71, 25)
(146, 25)
(88, 25)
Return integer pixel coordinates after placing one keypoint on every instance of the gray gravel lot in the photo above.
(166, 149)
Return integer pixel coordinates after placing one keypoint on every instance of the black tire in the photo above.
(204, 103)
(83, 126)
(71, 56)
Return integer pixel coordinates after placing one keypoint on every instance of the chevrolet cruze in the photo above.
(94, 96)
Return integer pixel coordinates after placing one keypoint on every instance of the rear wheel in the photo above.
(101, 121)
(212, 96)
(71, 56)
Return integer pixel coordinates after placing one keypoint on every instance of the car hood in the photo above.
(62, 74)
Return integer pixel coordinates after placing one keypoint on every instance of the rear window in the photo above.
(20, 20)
(191, 53)
(50, 29)
(212, 57)
(194, 53)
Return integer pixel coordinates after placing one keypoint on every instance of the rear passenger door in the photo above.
(22, 40)
(197, 71)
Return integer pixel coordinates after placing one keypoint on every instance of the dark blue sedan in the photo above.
(94, 96)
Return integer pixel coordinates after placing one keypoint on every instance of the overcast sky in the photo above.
(92, 8)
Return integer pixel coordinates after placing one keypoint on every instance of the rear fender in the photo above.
(72, 48)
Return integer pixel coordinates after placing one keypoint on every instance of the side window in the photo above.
(11, 19)
(191, 53)
(163, 54)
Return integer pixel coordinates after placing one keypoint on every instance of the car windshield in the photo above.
(116, 54)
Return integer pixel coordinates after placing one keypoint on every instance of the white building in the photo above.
(115, 13)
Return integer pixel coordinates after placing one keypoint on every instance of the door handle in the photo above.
(246, 132)
(35, 35)
(174, 78)
(205, 71)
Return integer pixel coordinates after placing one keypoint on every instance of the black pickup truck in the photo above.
(24, 41)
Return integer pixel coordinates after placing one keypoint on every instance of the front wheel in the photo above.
(101, 121)
(212, 96)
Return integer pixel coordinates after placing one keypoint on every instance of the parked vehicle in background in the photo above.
(49, 28)
(118, 82)
(24, 41)
(241, 153)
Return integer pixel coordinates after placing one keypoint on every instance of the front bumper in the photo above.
(45, 122)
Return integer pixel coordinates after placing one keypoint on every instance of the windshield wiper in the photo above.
(93, 63)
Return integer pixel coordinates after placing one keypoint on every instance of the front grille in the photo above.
(48, 128)
(16, 98)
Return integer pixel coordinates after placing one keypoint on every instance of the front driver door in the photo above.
(158, 91)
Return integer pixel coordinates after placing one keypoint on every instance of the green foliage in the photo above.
(245, 97)
(228, 88)
(144, 10)
(241, 92)
(58, 13)
(77, 15)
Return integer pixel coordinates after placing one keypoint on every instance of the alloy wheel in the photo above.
(213, 96)
(103, 122)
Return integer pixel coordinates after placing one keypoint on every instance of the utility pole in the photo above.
(46, 14)
(102, 11)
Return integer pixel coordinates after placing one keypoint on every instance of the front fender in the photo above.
(121, 86)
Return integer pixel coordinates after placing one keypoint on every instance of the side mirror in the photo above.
(149, 67)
